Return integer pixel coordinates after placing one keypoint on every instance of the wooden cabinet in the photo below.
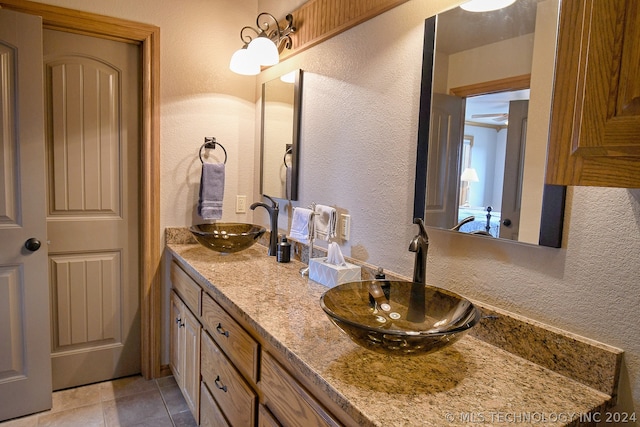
(265, 419)
(210, 413)
(185, 352)
(176, 337)
(190, 292)
(595, 124)
(229, 364)
(287, 400)
(225, 375)
(232, 338)
(235, 397)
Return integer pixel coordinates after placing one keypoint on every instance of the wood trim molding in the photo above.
(319, 20)
(500, 85)
(495, 127)
(148, 37)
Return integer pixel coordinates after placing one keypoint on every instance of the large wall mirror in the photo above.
(280, 136)
(484, 118)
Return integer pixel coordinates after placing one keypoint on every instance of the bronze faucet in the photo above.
(420, 245)
(273, 216)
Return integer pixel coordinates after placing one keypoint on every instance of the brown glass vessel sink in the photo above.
(227, 236)
(399, 318)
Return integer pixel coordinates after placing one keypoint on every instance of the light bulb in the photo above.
(485, 5)
(289, 77)
(242, 63)
(264, 51)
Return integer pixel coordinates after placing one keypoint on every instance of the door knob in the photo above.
(506, 222)
(32, 244)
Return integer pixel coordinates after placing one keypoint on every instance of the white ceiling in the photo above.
(494, 103)
(459, 30)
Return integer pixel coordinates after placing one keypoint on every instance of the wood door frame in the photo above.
(501, 85)
(148, 38)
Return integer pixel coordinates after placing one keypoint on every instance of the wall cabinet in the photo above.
(595, 125)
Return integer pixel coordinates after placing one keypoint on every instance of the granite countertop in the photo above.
(469, 382)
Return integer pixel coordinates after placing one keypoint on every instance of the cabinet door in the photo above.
(184, 357)
(191, 378)
(176, 343)
(595, 126)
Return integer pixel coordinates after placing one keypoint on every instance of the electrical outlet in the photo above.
(241, 204)
(345, 226)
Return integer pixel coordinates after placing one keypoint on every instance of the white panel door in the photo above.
(443, 167)
(92, 103)
(514, 167)
(25, 366)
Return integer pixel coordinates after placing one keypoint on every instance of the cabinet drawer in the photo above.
(265, 419)
(288, 400)
(210, 414)
(234, 396)
(186, 287)
(237, 344)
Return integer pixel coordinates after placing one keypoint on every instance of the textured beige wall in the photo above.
(359, 126)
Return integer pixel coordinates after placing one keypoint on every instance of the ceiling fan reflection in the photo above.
(498, 117)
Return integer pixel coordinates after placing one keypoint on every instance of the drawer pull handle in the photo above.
(179, 322)
(221, 330)
(219, 384)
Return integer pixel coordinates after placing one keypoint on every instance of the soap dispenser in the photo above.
(283, 250)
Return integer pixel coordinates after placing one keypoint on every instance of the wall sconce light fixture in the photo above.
(263, 48)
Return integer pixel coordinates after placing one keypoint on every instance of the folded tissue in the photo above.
(333, 270)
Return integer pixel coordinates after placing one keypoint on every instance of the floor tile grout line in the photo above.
(39, 417)
(164, 402)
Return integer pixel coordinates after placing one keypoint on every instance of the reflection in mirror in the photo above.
(484, 119)
(280, 130)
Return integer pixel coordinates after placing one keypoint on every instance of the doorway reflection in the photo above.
(489, 153)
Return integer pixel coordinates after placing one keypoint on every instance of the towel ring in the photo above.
(210, 142)
(284, 158)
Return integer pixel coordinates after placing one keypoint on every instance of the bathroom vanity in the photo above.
(250, 346)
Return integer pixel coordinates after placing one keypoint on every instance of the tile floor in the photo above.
(125, 402)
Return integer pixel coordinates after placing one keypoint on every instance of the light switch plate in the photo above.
(241, 204)
(345, 226)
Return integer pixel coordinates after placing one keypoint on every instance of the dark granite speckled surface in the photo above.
(472, 378)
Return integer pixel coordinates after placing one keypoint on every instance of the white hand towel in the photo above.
(300, 224)
(211, 191)
(325, 222)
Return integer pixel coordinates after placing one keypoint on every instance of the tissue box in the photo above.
(332, 275)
